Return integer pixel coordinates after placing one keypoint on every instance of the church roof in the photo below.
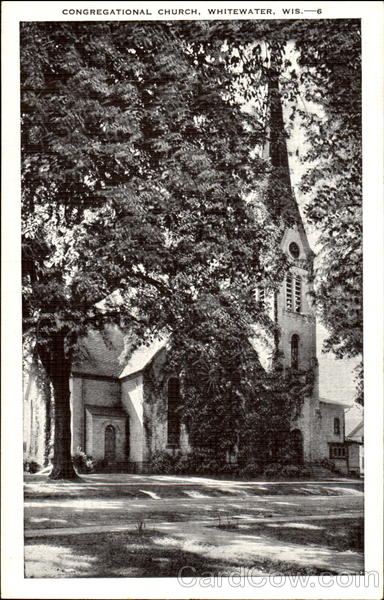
(141, 357)
(99, 353)
(276, 150)
(354, 418)
(336, 402)
(357, 433)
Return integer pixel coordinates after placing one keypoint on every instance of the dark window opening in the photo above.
(295, 351)
(173, 437)
(337, 452)
(110, 443)
(336, 426)
(294, 250)
(261, 298)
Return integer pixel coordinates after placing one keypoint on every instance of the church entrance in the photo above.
(110, 444)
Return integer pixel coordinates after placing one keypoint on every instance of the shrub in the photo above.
(326, 463)
(162, 462)
(31, 466)
(210, 466)
(100, 465)
(188, 463)
(272, 470)
(82, 462)
(229, 469)
(290, 472)
(304, 471)
(251, 469)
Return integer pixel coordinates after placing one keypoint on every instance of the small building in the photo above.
(355, 439)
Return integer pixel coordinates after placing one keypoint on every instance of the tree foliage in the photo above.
(137, 166)
(331, 80)
(138, 163)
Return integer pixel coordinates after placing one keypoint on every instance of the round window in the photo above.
(294, 250)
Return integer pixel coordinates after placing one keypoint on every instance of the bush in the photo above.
(251, 469)
(272, 470)
(290, 472)
(210, 466)
(82, 462)
(100, 465)
(162, 462)
(326, 463)
(188, 463)
(304, 471)
(31, 466)
(229, 469)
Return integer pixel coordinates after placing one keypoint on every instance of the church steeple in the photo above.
(281, 201)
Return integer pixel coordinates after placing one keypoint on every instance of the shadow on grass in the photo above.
(339, 534)
(138, 554)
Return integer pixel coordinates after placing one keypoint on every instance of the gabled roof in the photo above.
(357, 432)
(354, 418)
(99, 353)
(336, 402)
(142, 356)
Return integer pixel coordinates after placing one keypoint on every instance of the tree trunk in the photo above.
(58, 368)
(48, 420)
(62, 459)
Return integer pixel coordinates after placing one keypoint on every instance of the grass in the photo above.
(137, 554)
(104, 487)
(341, 534)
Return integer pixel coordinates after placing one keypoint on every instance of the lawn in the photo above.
(146, 554)
(179, 520)
(341, 534)
(157, 487)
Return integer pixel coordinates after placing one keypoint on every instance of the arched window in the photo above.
(110, 443)
(173, 436)
(336, 426)
(295, 351)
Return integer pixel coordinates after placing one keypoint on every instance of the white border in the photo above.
(14, 585)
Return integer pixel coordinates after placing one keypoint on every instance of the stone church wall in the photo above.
(155, 405)
(92, 391)
(132, 401)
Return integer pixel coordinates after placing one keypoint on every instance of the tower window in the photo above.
(173, 436)
(294, 250)
(336, 426)
(289, 292)
(295, 351)
(298, 293)
(260, 298)
(293, 293)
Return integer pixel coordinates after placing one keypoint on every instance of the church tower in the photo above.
(293, 311)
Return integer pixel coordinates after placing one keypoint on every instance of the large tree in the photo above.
(137, 168)
(330, 80)
(138, 164)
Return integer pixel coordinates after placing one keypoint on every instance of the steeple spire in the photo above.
(281, 200)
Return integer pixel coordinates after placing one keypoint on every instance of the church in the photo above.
(121, 418)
